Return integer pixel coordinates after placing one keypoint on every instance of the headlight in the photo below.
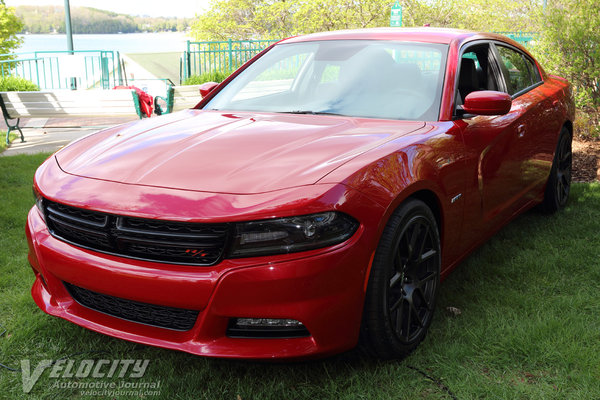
(288, 235)
(39, 203)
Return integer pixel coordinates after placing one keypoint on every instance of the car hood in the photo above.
(237, 152)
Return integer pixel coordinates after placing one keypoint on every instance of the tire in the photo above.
(403, 283)
(558, 186)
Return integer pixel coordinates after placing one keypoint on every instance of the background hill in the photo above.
(51, 19)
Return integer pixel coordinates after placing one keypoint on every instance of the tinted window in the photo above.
(476, 72)
(359, 78)
(533, 70)
(520, 73)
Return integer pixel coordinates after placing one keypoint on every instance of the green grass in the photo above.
(11, 137)
(213, 76)
(529, 327)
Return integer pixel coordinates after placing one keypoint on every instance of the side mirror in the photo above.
(207, 87)
(487, 102)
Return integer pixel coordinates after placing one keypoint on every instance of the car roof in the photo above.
(427, 35)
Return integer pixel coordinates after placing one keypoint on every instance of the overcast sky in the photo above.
(154, 8)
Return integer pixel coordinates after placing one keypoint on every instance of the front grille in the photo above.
(150, 314)
(145, 239)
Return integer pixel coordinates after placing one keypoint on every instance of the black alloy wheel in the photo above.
(402, 289)
(558, 186)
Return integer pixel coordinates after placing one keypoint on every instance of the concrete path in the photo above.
(45, 140)
(44, 135)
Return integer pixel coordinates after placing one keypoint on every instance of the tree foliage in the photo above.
(10, 25)
(570, 46)
(274, 19)
(569, 30)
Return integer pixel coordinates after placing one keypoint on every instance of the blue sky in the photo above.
(154, 8)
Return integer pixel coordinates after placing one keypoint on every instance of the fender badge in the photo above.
(455, 198)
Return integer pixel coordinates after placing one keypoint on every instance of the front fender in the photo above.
(429, 162)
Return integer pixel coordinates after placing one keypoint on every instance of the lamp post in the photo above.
(69, 32)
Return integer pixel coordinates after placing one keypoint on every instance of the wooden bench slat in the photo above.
(45, 96)
(190, 90)
(74, 111)
(69, 103)
(185, 97)
(49, 107)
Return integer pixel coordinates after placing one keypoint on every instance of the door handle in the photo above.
(556, 105)
(521, 131)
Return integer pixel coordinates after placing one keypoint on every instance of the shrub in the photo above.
(17, 84)
(570, 46)
(213, 76)
(587, 124)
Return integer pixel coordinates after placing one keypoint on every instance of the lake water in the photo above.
(162, 42)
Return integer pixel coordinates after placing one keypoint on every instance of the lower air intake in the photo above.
(178, 319)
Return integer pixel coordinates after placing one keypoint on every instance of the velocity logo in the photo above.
(64, 369)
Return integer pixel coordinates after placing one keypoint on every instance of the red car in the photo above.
(312, 201)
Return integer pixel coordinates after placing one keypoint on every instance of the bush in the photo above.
(587, 125)
(213, 76)
(17, 84)
(569, 45)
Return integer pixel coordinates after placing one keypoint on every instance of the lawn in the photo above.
(11, 137)
(529, 326)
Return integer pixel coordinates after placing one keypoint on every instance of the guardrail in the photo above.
(221, 56)
(521, 37)
(52, 70)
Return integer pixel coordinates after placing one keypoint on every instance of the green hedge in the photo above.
(16, 84)
(214, 76)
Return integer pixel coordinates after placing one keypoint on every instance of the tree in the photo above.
(10, 25)
(228, 19)
(276, 19)
(50, 19)
(570, 46)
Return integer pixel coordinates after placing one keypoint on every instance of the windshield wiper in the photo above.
(310, 112)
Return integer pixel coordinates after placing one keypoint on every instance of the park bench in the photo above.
(67, 104)
(178, 98)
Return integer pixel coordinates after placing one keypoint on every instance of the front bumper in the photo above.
(323, 289)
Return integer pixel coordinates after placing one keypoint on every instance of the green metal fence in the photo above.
(52, 70)
(523, 38)
(221, 56)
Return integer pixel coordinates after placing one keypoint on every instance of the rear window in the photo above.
(520, 72)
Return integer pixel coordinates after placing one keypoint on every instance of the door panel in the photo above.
(523, 81)
(499, 148)
(497, 144)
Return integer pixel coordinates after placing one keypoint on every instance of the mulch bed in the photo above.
(586, 161)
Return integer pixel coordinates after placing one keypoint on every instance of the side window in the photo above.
(477, 71)
(519, 72)
(473, 56)
(470, 75)
(533, 70)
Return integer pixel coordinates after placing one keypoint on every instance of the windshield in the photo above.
(357, 78)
